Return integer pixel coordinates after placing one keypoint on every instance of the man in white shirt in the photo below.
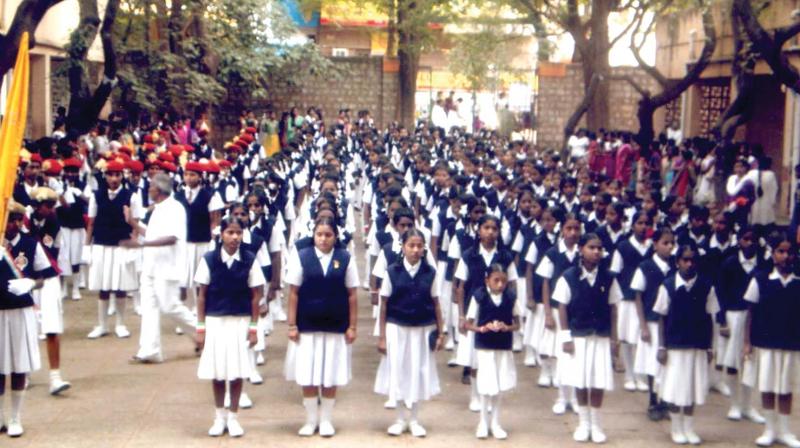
(162, 270)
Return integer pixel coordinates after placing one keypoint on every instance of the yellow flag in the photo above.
(13, 128)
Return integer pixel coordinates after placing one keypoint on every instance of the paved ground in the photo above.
(115, 404)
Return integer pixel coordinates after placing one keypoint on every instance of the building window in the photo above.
(714, 99)
(339, 52)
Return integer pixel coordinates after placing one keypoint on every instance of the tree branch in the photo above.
(588, 96)
(629, 79)
(27, 17)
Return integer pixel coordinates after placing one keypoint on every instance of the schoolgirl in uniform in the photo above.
(687, 303)
(441, 237)
(493, 316)
(612, 232)
(734, 277)
(645, 283)
(626, 259)
(534, 325)
(587, 296)
(410, 315)
(524, 239)
(23, 262)
(231, 285)
(44, 227)
(772, 340)
(111, 270)
(719, 246)
(70, 216)
(469, 277)
(322, 322)
(554, 262)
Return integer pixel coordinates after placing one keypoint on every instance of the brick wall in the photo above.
(361, 84)
(561, 90)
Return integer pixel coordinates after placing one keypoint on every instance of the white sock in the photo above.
(55, 374)
(232, 415)
(312, 410)
(626, 350)
(562, 394)
(677, 422)
(688, 423)
(783, 424)
(326, 409)
(414, 412)
(102, 313)
(485, 399)
(120, 316)
(474, 390)
(220, 413)
(496, 410)
(16, 403)
(584, 416)
(74, 279)
(594, 414)
(735, 396)
(551, 368)
(401, 412)
(769, 420)
(744, 397)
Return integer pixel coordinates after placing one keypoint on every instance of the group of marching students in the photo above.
(473, 245)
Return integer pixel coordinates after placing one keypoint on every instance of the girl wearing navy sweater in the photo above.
(410, 317)
(555, 261)
(772, 340)
(587, 295)
(734, 277)
(645, 283)
(323, 313)
(493, 316)
(231, 286)
(626, 259)
(687, 303)
(470, 275)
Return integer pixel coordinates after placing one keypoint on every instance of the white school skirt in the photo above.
(684, 378)
(226, 353)
(590, 366)
(772, 371)
(729, 350)
(496, 371)
(71, 249)
(528, 327)
(645, 361)
(548, 344)
(408, 371)
(112, 268)
(628, 322)
(19, 342)
(465, 351)
(319, 359)
(194, 253)
(50, 306)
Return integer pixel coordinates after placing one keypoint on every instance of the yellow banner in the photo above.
(13, 129)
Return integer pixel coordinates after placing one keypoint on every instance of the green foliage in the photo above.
(481, 57)
(222, 50)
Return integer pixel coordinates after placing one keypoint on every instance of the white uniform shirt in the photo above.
(255, 277)
(294, 272)
(165, 262)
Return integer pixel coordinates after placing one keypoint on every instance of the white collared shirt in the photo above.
(472, 311)
(748, 264)
(639, 281)
(546, 266)
(753, 295)
(386, 285)
(255, 277)
(562, 293)
(618, 264)
(294, 270)
(462, 271)
(663, 299)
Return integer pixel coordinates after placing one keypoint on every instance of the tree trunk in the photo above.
(644, 113)
(740, 110)
(596, 62)
(408, 59)
(84, 105)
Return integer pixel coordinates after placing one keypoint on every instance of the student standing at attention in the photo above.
(323, 313)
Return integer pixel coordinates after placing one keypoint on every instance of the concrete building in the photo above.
(48, 90)
(776, 122)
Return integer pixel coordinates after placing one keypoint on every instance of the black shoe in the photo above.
(466, 379)
(654, 413)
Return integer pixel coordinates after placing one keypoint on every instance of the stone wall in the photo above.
(362, 83)
(561, 90)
